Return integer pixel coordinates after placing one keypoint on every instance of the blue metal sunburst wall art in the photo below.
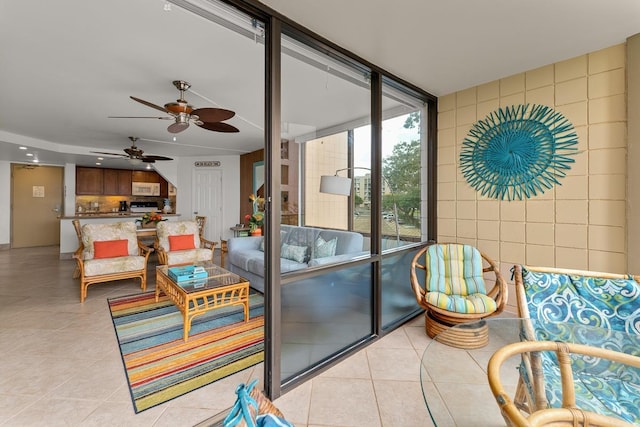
(518, 151)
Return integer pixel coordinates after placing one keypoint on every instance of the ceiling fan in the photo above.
(182, 113)
(135, 155)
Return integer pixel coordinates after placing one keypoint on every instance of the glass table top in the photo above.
(216, 277)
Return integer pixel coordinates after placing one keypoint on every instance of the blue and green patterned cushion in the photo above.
(454, 279)
(323, 248)
(293, 252)
(612, 395)
(599, 312)
(606, 303)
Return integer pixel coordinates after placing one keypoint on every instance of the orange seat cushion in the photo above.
(110, 248)
(181, 242)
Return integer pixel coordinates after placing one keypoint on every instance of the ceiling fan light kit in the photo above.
(183, 113)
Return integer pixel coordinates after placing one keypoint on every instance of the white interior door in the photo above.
(207, 200)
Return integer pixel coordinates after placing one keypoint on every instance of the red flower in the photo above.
(247, 217)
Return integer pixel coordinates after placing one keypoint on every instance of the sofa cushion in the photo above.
(300, 236)
(322, 248)
(294, 252)
(110, 248)
(256, 266)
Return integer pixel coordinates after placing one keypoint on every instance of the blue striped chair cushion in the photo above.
(454, 279)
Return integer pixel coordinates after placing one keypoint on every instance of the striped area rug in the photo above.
(160, 366)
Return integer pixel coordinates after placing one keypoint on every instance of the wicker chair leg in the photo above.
(521, 398)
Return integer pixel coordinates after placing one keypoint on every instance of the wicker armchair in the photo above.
(110, 252)
(180, 242)
(581, 298)
(452, 291)
(570, 414)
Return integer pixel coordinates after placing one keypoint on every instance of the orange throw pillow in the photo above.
(181, 242)
(110, 248)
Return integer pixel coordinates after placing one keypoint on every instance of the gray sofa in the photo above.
(246, 254)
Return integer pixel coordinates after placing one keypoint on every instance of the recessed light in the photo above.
(98, 163)
(29, 154)
(100, 158)
(23, 148)
(36, 161)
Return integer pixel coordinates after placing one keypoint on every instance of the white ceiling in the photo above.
(67, 65)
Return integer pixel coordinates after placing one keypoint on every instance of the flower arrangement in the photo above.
(255, 220)
(149, 217)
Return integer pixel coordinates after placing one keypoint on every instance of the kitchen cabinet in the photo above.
(145, 176)
(152, 176)
(116, 182)
(89, 181)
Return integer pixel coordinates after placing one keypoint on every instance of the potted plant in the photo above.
(256, 219)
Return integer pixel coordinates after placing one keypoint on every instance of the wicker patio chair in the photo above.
(110, 252)
(453, 291)
(582, 298)
(180, 242)
(573, 389)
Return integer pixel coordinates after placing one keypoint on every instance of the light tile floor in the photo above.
(60, 364)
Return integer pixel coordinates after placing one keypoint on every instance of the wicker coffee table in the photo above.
(221, 288)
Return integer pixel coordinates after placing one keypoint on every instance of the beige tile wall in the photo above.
(579, 224)
(323, 157)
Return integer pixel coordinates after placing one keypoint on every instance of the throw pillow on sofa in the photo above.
(293, 252)
(323, 248)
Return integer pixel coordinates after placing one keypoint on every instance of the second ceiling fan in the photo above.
(182, 113)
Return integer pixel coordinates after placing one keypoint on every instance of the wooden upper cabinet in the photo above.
(145, 176)
(114, 182)
(89, 181)
(117, 182)
(152, 176)
(164, 188)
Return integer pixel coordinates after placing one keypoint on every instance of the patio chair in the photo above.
(110, 252)
(582, 403)
(180, 242)
(453, 291)
(582, 298)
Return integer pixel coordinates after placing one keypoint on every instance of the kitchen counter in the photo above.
(124, 215)
(68, 238)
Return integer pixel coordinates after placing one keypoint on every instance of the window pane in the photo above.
(403, 144)
(323, 315)
(323, 100)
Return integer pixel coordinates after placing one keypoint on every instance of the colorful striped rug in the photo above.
(160, 366)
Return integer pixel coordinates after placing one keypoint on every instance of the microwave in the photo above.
(145, 188)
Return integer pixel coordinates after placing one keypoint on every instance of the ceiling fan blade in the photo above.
(110, 154)
(177, 127)
(219, 127)
(139, 117)
(149, 104)
(152, 158)
(213, 114)
(147, 160)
